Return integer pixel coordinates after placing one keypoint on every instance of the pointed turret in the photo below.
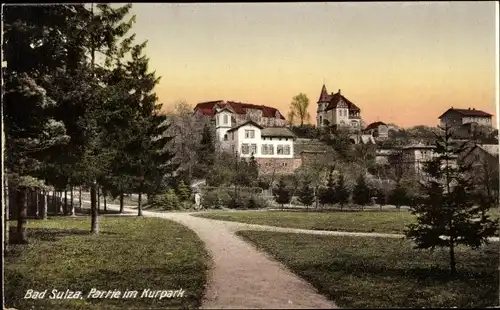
(323, 97)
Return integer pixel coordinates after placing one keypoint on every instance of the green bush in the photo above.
(215, 199)
(167, 201)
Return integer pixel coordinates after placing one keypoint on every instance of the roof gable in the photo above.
(252, 123)
(277, 132)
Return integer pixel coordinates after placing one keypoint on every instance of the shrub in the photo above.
(167, 201)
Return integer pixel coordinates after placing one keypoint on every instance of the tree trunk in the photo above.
(37, 204)
(6, 218)
(139, 206)
(45, 205)
(121, 202)
(65, 202)
(94, 227)
(22, 209)
(98, 199)
(80, 197)
(105, 205)
(453, 263)
(71, 201)
(59, 202)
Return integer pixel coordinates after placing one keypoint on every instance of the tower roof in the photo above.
(324, 96)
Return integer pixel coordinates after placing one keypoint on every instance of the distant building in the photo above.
(239, 113)
(415, 156)
(336, 110)
(272, 147)
(458, 117)
(481, 156)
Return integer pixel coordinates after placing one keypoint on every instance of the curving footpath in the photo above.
(241, 277)
(245, 278)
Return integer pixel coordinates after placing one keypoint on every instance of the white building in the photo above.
(272, 147)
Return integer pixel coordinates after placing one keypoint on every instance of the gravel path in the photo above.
(241, 277)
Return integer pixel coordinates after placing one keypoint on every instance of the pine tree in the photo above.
(398, 196)
(150, 158)
(33, 54)
(448, 217)
(361, 192)
(282, 194)
(341, 192)
(183, 191)
(206, 151)
(306, 194)
(327, 194)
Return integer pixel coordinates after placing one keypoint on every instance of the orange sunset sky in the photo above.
(402, 63)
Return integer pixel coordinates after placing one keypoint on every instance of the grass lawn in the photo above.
(130, 253)
(384, 272)
(361, 221)
(357, 221)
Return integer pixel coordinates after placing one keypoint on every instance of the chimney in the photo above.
(473, 109)
(339, 91)
(469, 109)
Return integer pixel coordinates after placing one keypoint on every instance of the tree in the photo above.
(185, 130)
(282, 194)
(298, 108)
(33, 54)
(183, 191)
(206, 151)
(253, 170)
(306, 194)
(341, 191)
(361, 192)
(148, 147)
(447, 216)
(327, 194)
(398, 196)
(340, 141)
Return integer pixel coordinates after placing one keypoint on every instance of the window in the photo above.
(287, 150)
(264, 149)
(253, 149)
(217, 120)
(249, 134)
(225, 119)
(225, 137)
(232, 135)
(279, 150)
(270, 149)
(232, 147)
(244, 148)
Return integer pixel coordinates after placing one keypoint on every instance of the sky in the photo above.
(402, 63)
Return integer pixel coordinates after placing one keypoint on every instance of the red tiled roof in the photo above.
(237, 107)
(324, 96)
(467, 112)
(334, 100)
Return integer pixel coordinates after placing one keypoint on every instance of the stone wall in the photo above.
(278, 165)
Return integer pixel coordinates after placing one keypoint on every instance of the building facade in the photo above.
(240, 113)
(336, 110)
(272, 147)
(458, 117)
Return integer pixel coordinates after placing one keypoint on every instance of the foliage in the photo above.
(448, 216)
(306, 131)
(361, 192)
(327, 194)
(398, 196)
(183, 191)
(306, 193)
(282, 193)
(341, 191)
(206, 152)
(299, 108)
